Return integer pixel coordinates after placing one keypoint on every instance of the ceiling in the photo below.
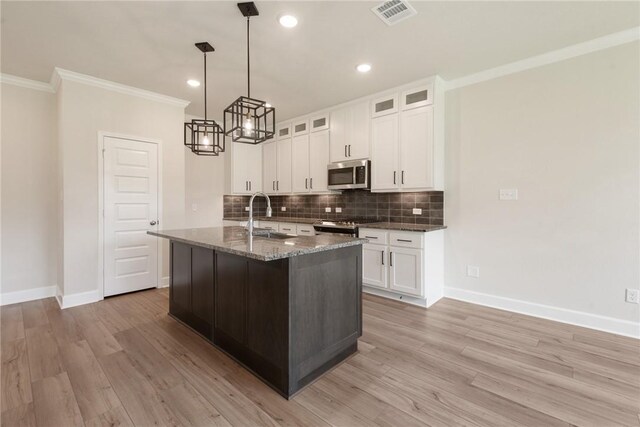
(149, 44)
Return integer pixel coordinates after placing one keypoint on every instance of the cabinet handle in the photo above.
(402, 177)
(345, 151)
(278, 185)
(394, 177)
(404, 240)
(306, 181)
(311, 183)
(246, 185)
(391, 259)
(273, 185)
(371, 237)
(382, 253)
(249, 185)
(349, 150)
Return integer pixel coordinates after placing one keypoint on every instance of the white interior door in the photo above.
(130, 209)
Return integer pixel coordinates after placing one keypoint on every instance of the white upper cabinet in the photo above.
(310, 156)
(318, 161)
(417, 97)
(416, 148)
(283, 184)
(300, 164)
(300, 127)
(270, 166)
(384, 105)
(350, 132)
(244, 164)
(319, 123)
(406, 145)
(384, 151)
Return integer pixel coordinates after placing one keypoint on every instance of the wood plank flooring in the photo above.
(124, 362)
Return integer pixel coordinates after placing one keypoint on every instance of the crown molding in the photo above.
(600, 43)
(60, 75)
(26, 83)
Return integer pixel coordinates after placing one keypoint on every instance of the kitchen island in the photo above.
(287, 308)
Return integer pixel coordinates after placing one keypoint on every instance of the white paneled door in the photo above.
(130, 210)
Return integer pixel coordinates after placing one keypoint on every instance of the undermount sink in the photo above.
(268, 234)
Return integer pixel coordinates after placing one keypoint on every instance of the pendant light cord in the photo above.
(205, 85)
(248, 64)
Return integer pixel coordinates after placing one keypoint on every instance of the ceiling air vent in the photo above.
(394, 11)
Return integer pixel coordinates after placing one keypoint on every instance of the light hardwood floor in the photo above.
(123, 361)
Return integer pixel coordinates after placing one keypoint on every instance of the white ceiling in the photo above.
(150, 44)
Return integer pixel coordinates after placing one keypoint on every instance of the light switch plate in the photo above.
(509, 194)
(283, 209)
(246, 208)
(327, 210)
(473, 271)
(417, 211)
(194, 207)
(338, 210)
(633, 296)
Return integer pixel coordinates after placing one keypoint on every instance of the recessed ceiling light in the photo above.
(288, 21)
(193, 83)
(364, 68)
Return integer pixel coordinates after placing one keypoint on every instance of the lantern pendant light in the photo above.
(249, 120)
(204, 137)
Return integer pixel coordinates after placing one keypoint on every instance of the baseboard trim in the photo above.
(164, 282)
(80, 298)
(563, 315)
(27, 295)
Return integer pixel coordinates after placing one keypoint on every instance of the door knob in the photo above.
(153, 222)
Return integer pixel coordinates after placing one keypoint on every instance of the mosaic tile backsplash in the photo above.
(392, 207)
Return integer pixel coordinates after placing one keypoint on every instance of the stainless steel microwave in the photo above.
(349, 175)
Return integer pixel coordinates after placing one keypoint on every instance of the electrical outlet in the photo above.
(417, 211)
(194, 207)
(283, 209)
(246, 208)
(509, 194)
(328, 210)
(473, 271)
(338, 210)
(633, 296)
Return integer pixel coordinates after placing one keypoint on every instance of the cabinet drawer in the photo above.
(273, 226)
(228, 223)
(287, 228)
(305, 230)
(376, 237)
(406, 240)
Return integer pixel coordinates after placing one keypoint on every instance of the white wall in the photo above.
(567, 136)
(204, 187)
(85, 110)
(29, 168)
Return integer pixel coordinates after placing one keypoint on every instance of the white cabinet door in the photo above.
(384, 153)
(253, 167)
(405, 270)
(359, 131)
(318, 161)
(374, 265)
(270, 166)
(339, 130)
(240, 153)
(300, 164)
(283, 182)
(416, 148)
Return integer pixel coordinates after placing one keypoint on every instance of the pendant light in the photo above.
(204, 137)
(249, 120)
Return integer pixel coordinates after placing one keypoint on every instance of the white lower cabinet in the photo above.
(375, 265)
(404, 264)
(405, 270)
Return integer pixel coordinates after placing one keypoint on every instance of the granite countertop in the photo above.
(273, 219)
(403, 226)
(234, 240)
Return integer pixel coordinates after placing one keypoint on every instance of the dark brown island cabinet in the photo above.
(287, 320)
